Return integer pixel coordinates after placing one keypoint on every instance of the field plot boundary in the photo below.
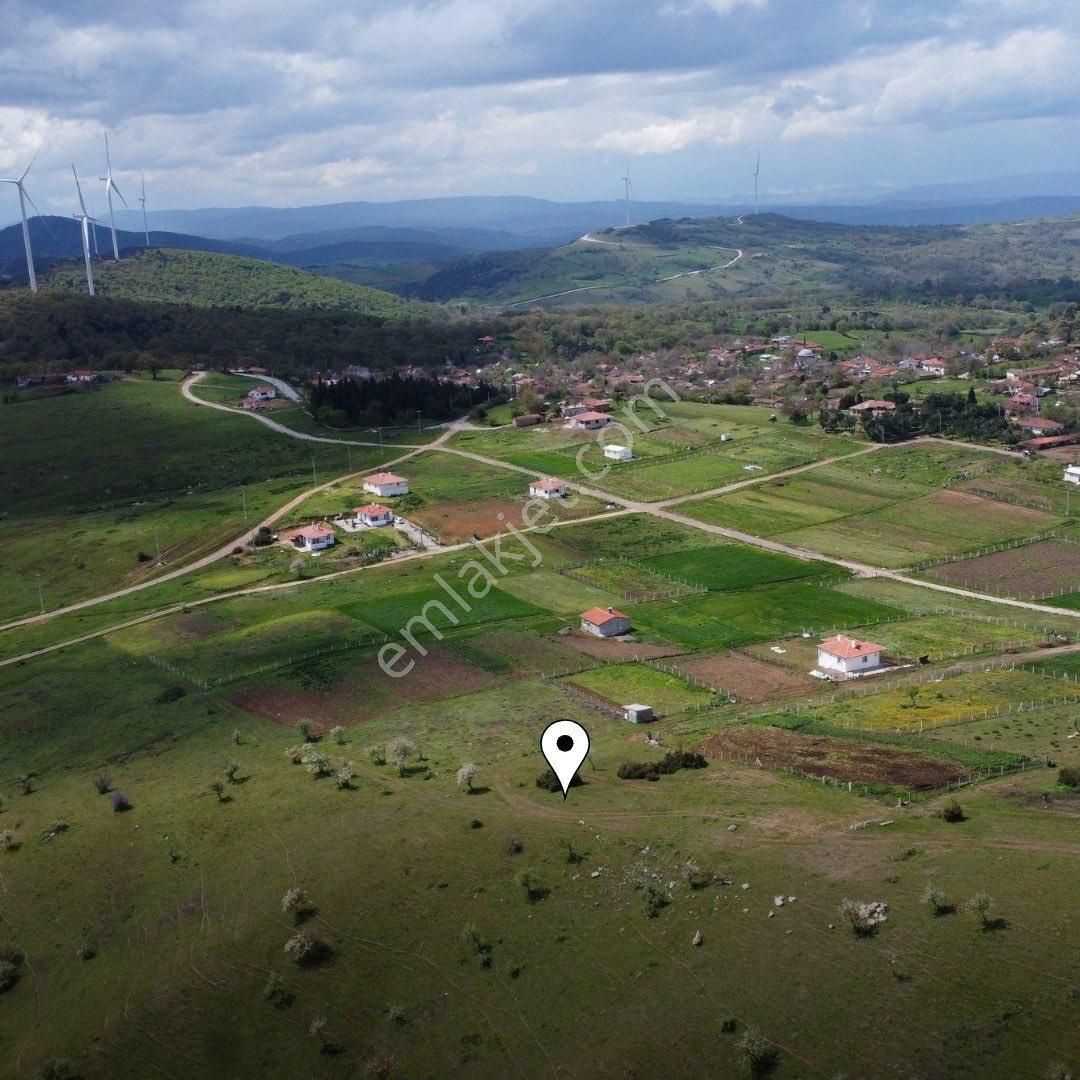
(992, 549)
(679, 589)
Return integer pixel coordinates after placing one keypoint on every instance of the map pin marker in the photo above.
(564, 745)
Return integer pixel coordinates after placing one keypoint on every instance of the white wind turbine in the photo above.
(110, 187)
(757, 169)
(24, 198)
(85, 219)
(142, 202)
(627, 189)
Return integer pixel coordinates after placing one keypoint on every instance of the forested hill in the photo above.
(769, 255)
(206, 279)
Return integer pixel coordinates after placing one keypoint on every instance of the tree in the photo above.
(218, 788)
(102, 782)
(297, 902)
(230, 769)
(758, 1055)
(316, 763)
(936, 900)
(982, 905)
(317, 1027)
(343, 777)
(466, 774)
(337, 733)
(399, 752)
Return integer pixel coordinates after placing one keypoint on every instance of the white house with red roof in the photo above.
(262, 393)
(374, 515)
(605, 622)
(311, 538)
(547, 488)
(590, 421)
(873, 406)
(849, 657)
(386, 485)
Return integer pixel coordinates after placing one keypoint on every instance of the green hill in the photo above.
(769, 254)
(207, 279)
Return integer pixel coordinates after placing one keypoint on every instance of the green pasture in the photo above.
(626, 684)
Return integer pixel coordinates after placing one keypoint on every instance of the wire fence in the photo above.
(993, 549)
(678, 589)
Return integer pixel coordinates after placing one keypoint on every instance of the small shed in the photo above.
(618, 453)
(638, 714)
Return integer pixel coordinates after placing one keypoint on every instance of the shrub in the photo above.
(758, 1055)
(982, 905)
(218, 788)
(693, 875)
(476, 945)
(102, 783)
(476, 823)
(263, 537)
(307, 949)
(337, 733)
(937, 900)
(317, 764)
(120, 802)
(9, 975)
(400, 751)
(297, 901)
(170, 694)
(296, 753)
(654, 900)
(952, 811)
(304, 727)
(1069, 776)
(548, 781)
(466, 775)
(57, 1069)
(534, 889)
(275, 993)
(8, 840)
(230, 769)
(377, 755)
(671, 762)
(26, 783)
(344, 776)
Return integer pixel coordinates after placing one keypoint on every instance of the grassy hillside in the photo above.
(208, 279)
(766, 254)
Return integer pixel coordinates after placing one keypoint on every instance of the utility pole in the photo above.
(314, 478)
(157, 542)
(417, 421)
(348, 450)
(243, 495)
(41, 595)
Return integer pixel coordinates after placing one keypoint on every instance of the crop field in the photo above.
(632, 581)
(733, 566)
(750, 680)
(1039, 569)
(840, 759)
(945, 701)
(624, 684)
(1044, 732)
(721, 620)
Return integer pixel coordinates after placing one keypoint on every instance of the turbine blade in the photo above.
(44, 219)
(108, 160)
(32, 160)
(117, 190)
(78, 187)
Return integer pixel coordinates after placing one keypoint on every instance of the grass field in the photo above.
(469, 932)
(1039, 569)
(145, 468)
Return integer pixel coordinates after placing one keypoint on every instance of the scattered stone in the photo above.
(791, 899)
(698, 939)
(746, 884)
(789, 931)
(831, 927)
(595, 873)
(732, 828)
(778, 901)
(746, 911)
(772, 914)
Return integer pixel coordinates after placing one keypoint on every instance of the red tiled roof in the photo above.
(872, 404)
(592, 416)
(598, 616)
(848, 648)
(548, 484)
(373, 510)
(384, 478)
(312, 532)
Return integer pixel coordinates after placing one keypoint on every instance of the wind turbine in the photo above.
(757, 169)
(85, 219)
(24, 198)
(110, 187)
(142, 202)
(627, 188)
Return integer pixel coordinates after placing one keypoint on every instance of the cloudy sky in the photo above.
(234, 102)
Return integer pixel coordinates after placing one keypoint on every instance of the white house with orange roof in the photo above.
(262, 393)
(547, 488)
(605, 622)
(386, 485)
(374, 515)
(590, 421)
(849, 657)
(311, 538)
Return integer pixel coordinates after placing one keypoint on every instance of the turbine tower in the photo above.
(84, 218)
(110, 187)
(627, 189)
(757, 169)
(24, 198)
(142, 202)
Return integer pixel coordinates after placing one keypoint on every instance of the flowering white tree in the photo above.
(467, 774)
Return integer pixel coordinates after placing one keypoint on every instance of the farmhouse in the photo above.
(847, 657)
(547, 489)
(605, 622)
(527, 420)
(1039, 425)
(315, 537)
(81, 375)
(618, 453)
(590, 421)
(373, 515)
(262, 393)
(386, 484)
(1072, 474)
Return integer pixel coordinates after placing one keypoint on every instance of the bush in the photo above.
(759, 1057)
(120, 802)
(548, 781)
(102, 783)
(170, 694)
(952, 811)
(671, 762)
(57, 1069)
(9, 975)
(307, 949)
(1069, 776)
(263, 537)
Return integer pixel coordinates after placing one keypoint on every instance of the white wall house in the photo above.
(315, 537)
(373, 515)
(605, 622)
(618, 453)
(262, 393)
(386, 485)
(848, 656)
(547, 489)
(1072, 474)
(590, 421)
